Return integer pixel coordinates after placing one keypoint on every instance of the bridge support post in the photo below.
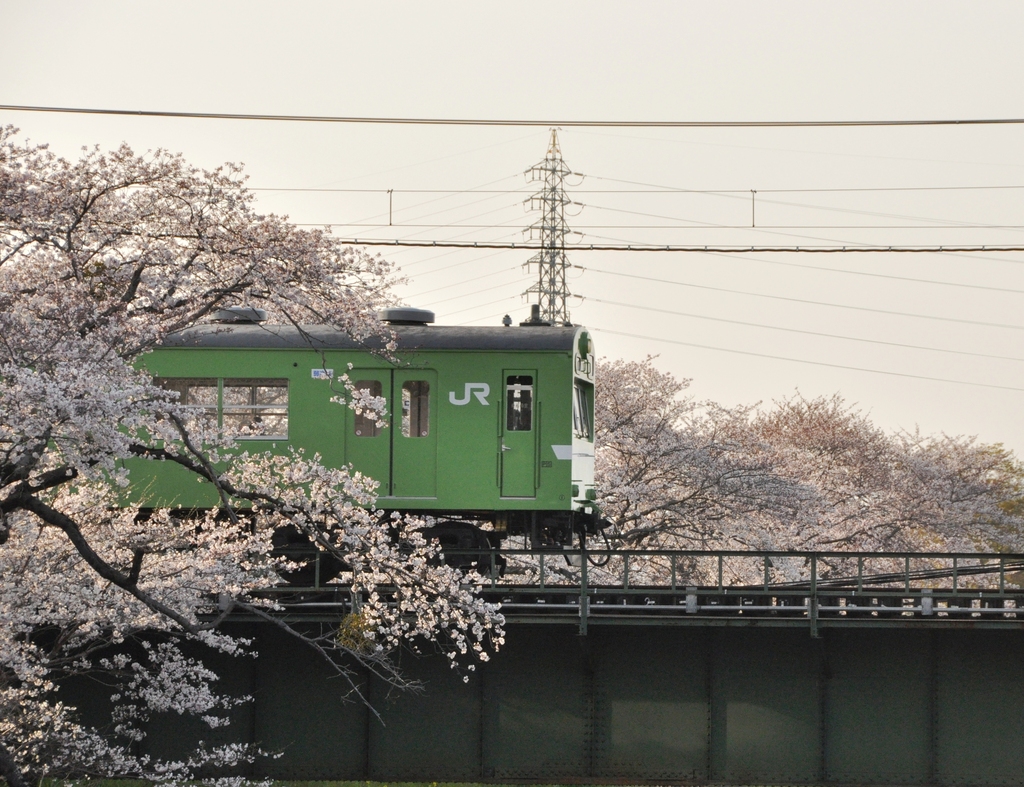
(584, 595)
(812, 611)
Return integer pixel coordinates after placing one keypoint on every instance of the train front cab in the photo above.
(583, 488)
(564, 502)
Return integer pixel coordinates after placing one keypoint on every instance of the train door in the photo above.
(414, 433)
(519, 434)
(367, 443)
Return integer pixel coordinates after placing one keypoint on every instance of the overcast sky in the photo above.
(713, 319)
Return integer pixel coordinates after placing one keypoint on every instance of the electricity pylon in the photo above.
(551, 289)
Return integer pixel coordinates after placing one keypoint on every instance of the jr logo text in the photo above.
(479, 390)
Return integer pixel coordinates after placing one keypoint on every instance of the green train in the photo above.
(482, 424)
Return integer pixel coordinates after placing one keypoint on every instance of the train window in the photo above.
(583, 398)
(415, 408)
(195, 391)
(201, 393)
(365, 423)
(255, 408)
(519, 403)
(243, 408)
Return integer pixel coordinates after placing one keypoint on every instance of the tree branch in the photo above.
(389, 674)
(99, 565)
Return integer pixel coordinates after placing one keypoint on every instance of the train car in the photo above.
(482, 424)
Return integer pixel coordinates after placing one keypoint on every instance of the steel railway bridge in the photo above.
(680, 667)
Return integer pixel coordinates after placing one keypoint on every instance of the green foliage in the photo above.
(352, 635)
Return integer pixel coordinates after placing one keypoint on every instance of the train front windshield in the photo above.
(583, 399)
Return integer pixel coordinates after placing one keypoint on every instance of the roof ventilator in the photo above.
(240, 314)
(535, 319)
(405, 315)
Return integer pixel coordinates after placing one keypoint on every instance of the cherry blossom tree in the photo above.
(801, 474)
(874, 490)
(100, 259)
(673, 471)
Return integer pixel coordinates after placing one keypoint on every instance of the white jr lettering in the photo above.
(479, 390)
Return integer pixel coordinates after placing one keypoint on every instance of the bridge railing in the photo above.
(731, 587)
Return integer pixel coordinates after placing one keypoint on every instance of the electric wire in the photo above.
(463, 205)
(847, 245)
(481, 305)
(435, 199)
(937, 223)
(634, 124)
(805, 301)
(467, 281)
(800, 151)
(659, 190)
(698, 226)
(803, 361)
(477, 292)
(474, 258)
(459, 154)
(847, 272)
(648, 308)
(694, 249)
(517, 122)
(743, 195)
(946, 222)
(943, 223)
(403, 225)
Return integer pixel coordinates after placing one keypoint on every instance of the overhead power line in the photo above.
(464, 225)
(675, 313)
(412, 121)
(891, 277)
(791, 299)
(649, 247)
(661, 190)
(811, 363)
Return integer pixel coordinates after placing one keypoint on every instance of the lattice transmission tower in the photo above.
(552, 288)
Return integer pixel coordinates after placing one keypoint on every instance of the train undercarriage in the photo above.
(465, 537)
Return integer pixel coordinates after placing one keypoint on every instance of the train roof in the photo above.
(409, 337)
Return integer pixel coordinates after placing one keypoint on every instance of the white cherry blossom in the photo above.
(101, 259)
